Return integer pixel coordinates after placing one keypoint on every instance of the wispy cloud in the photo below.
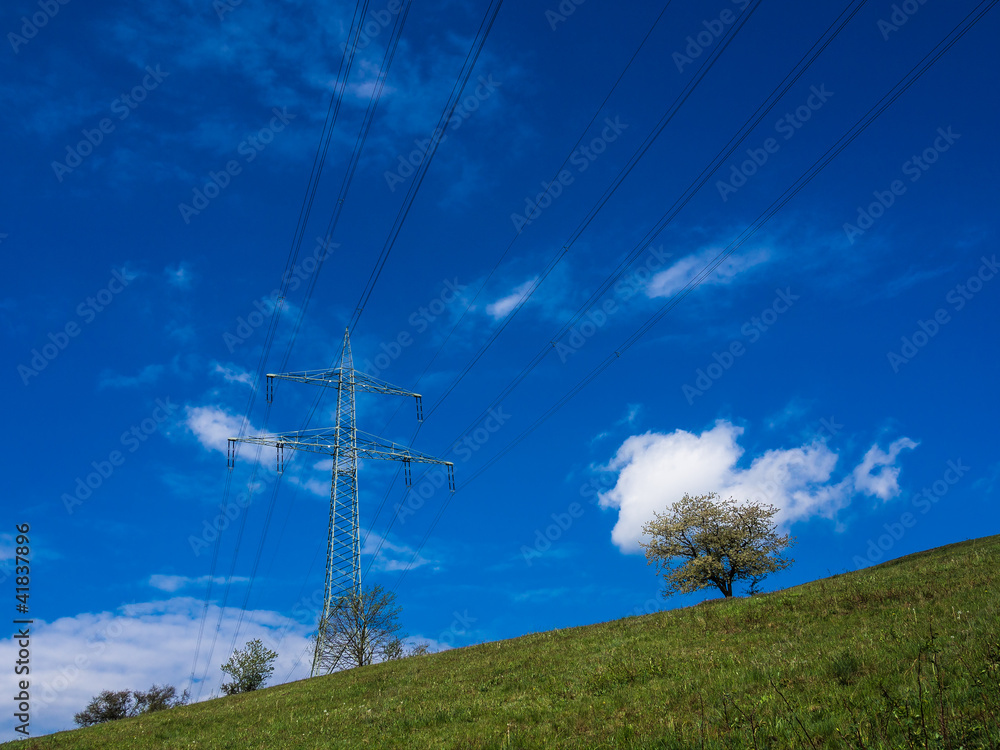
(909, 279)
(391, 556)
(146, 376)
(680, 274)
(232, 373)
(170, 584)
(501, 307)
(180, 276)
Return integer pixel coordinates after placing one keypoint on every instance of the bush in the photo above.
(113, 705)
(249, 668)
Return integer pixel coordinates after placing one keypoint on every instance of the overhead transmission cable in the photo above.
(474, 54)
(496, 265)
(346, 61)
(363, 131)
(859, 127)
(446, 114)
(585, 222)
(724, 154)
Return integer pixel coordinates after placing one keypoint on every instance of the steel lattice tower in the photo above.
(346, 445)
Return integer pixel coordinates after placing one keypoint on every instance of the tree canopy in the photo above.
(361, 629)
(702, 541)
(111, 705)
(249, 667)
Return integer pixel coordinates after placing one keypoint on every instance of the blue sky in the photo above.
(840, 362)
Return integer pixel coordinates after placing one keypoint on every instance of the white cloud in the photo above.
(671, 280)
(233, 374)
(884, 485)
(392, 556)
(170, 584)
(7, 546)
(504, 305)
(213, 426)
(655, 470)
(77, 657)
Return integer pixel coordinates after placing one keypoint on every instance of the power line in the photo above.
(446, 114)
(319, 160)
(724, 154)
(592, 213)
(362, 136)
(859, 127)
(345, 185)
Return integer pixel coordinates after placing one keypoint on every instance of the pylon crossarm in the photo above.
(326, 443)
(331, 379)
(339, 376)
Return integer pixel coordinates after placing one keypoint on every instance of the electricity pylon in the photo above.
(346, 444)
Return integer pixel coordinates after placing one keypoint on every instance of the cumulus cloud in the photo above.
(138, 645)
(671, 280)
(656, 469)
(884, 483)
(213, 426)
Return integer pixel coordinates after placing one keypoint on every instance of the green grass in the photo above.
(902, 655)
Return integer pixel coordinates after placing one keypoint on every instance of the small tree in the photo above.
(159, 699)
(396, 649)
(249, 668)
(108, 705)
(120, 704)
(360, 630)
(702, 541)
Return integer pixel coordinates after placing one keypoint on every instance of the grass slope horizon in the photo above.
(898, 655)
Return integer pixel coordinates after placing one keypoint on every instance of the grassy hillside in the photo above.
(906, 654)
